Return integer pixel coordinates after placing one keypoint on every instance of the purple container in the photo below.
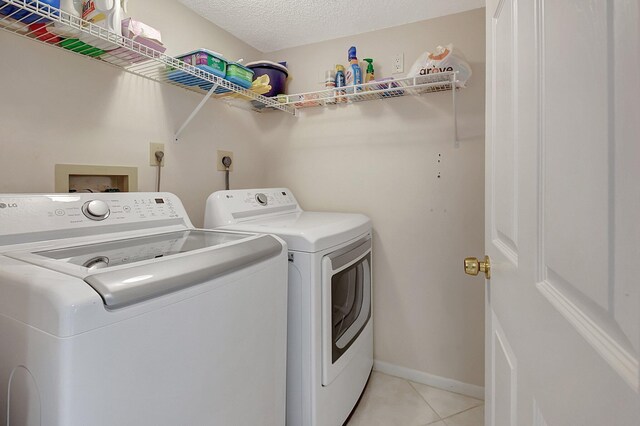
(277, 75)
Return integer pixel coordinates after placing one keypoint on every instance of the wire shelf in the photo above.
(41, 22)
(377, 90)
(33, 19)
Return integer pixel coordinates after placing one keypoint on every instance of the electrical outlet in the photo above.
(398, 64)
(153, 147)
(221, 167)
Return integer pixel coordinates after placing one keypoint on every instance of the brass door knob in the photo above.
(472, 266)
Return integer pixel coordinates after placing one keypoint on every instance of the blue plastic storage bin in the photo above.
(205, 60)
(237, 74)
(27, 17)
(6, 9)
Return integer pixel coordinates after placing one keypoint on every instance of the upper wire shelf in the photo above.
(376, 90)
(33, 18)
(411, 86)
(30, 18)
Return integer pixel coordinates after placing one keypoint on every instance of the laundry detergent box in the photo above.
(203, 59)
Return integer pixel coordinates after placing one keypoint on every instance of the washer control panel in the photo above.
(30, 213)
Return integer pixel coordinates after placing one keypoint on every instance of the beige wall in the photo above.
(58, 107)
(381, 158)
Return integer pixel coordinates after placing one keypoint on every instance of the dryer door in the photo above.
(346, 304)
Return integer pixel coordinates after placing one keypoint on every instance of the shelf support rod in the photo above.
(195, 111)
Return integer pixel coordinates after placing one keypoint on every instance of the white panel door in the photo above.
(563, 212)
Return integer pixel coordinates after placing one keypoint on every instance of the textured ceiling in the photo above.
(270, 25)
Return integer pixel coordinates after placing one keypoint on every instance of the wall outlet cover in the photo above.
(153, 147)
(398, 64)
(221, 154)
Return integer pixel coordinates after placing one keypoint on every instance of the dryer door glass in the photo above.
(350, 304)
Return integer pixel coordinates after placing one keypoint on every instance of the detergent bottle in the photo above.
(74, 9)
(353, 75)
(106, 14)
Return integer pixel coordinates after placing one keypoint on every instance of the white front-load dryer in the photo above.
(330, 323)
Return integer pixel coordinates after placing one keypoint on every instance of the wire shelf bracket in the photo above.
(195, 111)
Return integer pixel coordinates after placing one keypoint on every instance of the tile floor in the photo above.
(390, 401)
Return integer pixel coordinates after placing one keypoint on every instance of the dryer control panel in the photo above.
(229, 207)
(30, 214)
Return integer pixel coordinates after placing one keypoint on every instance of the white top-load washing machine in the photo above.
(114, 310)
(330, 327)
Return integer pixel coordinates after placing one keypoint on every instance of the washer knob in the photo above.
(96, 210)
(261, 199)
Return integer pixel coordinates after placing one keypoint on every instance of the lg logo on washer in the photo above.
(11, 205)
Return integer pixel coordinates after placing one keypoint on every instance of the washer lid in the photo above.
(128, 271)
(309, 231)
(127, 251)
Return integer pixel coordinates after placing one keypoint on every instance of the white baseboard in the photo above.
(451, 385)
